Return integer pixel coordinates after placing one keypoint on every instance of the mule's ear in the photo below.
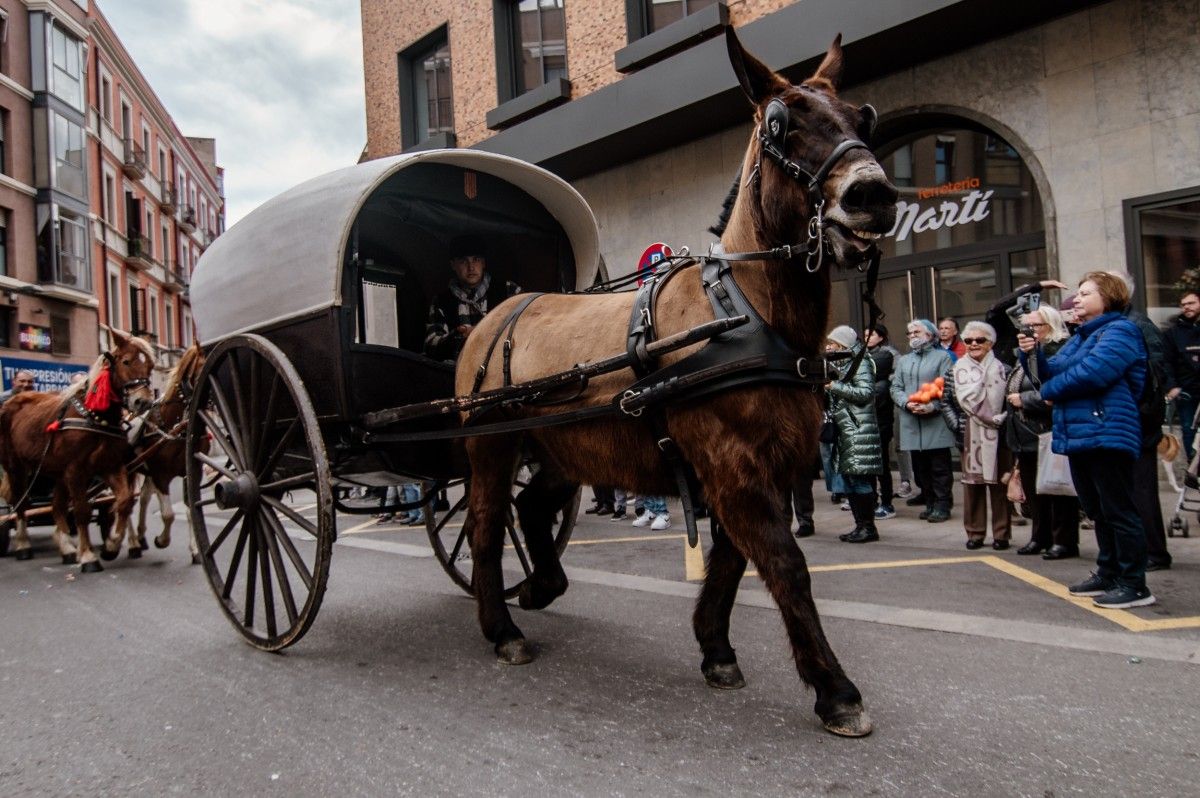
(120, 337)
(830, 69)
(757, 80)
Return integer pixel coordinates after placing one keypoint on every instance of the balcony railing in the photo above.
(176, 281)
(187, 218)
(140, 251)
(166, 199)
(135, 160)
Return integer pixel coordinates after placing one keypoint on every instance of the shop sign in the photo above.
(46, 376)
(34, 338)
(964, 203)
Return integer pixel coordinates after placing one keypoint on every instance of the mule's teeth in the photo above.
(868, 236)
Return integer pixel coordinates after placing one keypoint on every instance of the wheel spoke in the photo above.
(462, 536)
(458, 505)
(279, 449)
(216, 465)
(268, 420)
(290, 482)
(220, 436)
(231, 574)
(239, 405)
(285, 586)
(303, 522)
(285, 541)
(239, 448)
(265, 570)
(251, 575)
(220, 538)
(206, 502)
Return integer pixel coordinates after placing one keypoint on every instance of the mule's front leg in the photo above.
(81, 510)
(22, 548)
(62, 538)
(762, 534)
(723, 574)
(537, 506)
(168, 517)
(122, 512)
(491, 468)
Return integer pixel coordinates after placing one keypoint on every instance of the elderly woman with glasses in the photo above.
(979, 385)
(1054, 519)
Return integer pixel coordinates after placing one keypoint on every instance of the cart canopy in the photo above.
(286, 259)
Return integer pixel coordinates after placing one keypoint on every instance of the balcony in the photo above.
(187, 218)
(135, 160)
(140, 251)
(166, 199)
(176, 281)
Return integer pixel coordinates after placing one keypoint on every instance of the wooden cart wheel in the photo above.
(266, 561)
(448, 537)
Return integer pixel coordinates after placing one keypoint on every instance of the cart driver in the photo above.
(22, 382)
(470, 294)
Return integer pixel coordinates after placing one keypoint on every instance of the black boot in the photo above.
(862, 505)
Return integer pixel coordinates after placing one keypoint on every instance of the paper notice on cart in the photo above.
(379, 314)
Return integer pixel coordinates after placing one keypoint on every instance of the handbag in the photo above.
(1053, 470)
(1016, 491)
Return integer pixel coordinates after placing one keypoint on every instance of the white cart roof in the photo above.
(284, 260)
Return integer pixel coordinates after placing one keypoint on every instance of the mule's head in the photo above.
(130, 362)
(811, 148)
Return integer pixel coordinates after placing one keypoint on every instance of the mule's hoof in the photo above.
(195, 559)
(24, 554)
(161, 544)
(108, 556)
(724, 676)
(93, 567)
(514, 652)
(135, 553)
(70, 559)
(850, 722)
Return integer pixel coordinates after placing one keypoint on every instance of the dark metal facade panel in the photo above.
(694, 92)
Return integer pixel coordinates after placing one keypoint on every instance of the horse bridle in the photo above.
(772, 135)
(128, 386)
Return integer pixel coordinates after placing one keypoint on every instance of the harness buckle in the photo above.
(665, 443)
(625, 397)
(646, 322)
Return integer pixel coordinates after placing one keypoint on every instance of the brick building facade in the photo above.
(1072, 129)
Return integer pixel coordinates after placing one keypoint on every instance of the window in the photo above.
(149, 228)
(68, 157)
(658, 14)
(165, 245)
(72, 252)
(137, 309)
(4, 140)
(126, 120)
(113, 300)
(169, 327)
(66, 80)
(152, 312)
(4, 46)
(426, 96)
(531, 42)
(1162, 242)
(185, 340)
(146, 139)
(162, 164)
(108, 206)
(4, 242)
(106, 97)
(60, 335)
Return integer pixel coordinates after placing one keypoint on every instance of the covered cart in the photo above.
(312, 312)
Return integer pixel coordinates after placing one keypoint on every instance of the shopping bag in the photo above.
(1016, 491)
(1053, 470)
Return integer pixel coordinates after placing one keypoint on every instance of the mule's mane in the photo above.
(182, 369)
(718, 229)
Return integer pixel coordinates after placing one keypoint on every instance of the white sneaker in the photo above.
(644, 519)
(662, 522)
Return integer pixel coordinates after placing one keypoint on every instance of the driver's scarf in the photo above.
(472, 302)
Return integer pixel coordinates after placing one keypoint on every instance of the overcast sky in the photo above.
(278, 83)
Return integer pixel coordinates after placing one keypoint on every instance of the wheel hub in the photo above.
(241, 492)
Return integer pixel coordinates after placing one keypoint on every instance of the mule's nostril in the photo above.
(868, 194)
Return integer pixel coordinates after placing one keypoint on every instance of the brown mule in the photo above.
(41, 435)
(167, 456)
(744, 443)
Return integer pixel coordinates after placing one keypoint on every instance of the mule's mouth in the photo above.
(849, 245)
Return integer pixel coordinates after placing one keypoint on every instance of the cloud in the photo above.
(278, 83)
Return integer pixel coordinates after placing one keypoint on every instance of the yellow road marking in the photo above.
(862, 566)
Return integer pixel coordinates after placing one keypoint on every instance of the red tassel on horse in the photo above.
(101, 396)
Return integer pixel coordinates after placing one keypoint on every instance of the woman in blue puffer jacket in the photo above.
(1094, 383)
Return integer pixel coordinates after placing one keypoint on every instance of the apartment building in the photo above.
(48, 309)
(156, 196)
(1071, 130)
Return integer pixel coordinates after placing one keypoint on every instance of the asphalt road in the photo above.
(980, 679)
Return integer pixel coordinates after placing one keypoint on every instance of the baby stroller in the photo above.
(1189, 494)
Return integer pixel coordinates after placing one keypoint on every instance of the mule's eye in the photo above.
(125, 362)
(869, 118)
